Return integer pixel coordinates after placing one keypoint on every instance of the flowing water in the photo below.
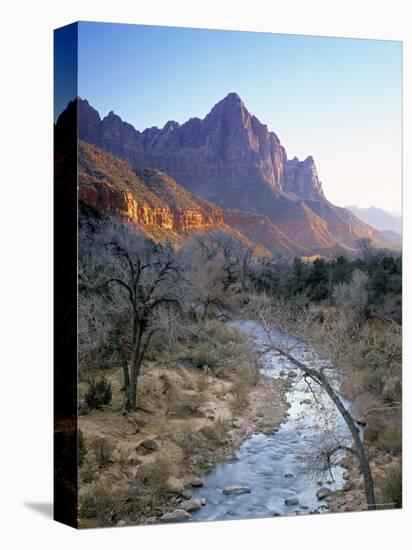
(277, 466)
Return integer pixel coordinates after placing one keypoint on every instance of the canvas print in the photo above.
(228, 275)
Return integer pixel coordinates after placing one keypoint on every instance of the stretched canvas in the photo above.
(228, 275)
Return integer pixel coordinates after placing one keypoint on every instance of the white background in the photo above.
(26, 268)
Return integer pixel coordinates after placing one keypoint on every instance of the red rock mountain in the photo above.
(149, 198)
(232, 160)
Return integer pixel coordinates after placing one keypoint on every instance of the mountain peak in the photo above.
(229, 145)
(232, 97)
(231, 102)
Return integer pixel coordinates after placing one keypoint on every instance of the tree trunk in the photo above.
(360, 449)
(320, 378)
(126, 378)
(135, 364)
(134, 374)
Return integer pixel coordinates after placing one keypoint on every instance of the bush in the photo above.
(81, 448)
(152, 480)
(219, 354)
(240, 390)
(391, 488)
(87, 473)
(98, 393)
(216, 434)
(103, 452)
(390, 440)
(245, 376)
(96, 503)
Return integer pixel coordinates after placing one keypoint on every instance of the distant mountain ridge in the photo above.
(378, 218)
(232, 160)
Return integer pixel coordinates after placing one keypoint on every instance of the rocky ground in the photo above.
(140, 467)
(352, 497)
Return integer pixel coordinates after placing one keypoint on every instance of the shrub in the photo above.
(240, 389)
(81, 448)
(152, 479)
(220, 352)
(98, 393)
(216, 434)
(390, 440)
(392, 390)
(187, 441)
(95, 503)
(391, 488)
(102, 449)
(88, 473)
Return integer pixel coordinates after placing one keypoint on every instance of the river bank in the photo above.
(187, 422)
(279, 469)
(205, 447)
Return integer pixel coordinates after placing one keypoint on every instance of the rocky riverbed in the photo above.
(260, 461)
(276, 470)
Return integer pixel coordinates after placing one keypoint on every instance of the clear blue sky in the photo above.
(338, 100)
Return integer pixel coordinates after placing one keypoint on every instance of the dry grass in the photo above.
(391, 488)
(102, 449)
(96, 503)
(390, 440)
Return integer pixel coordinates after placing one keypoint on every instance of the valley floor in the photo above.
(140, 465)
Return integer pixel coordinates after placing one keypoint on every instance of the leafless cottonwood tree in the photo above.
(206, 260)
(237, 256)
(278, 316)
(218, 263)
(147, 278)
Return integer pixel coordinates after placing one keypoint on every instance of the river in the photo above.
(278, 466)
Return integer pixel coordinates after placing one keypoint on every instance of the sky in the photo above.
(337, 99)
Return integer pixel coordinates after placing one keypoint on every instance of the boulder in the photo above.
(203, 501)
(196, 482)
(291, 501)
(151, 520)
(120, 523)
(191, 505)
(323, 492)
(236, 489)
(292, 374)
(175, 485)
(187, 494)
(146, 447)
(360, 405)
(176, 515)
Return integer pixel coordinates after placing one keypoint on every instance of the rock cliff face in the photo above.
(231, 159)
(147, 198)
(227, 150)
(301, 179)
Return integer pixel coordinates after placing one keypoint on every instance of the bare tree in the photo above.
(353, 295)
(124, 265)
(278, 316)
(207, 258)
(365, 247)
(244, 254)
